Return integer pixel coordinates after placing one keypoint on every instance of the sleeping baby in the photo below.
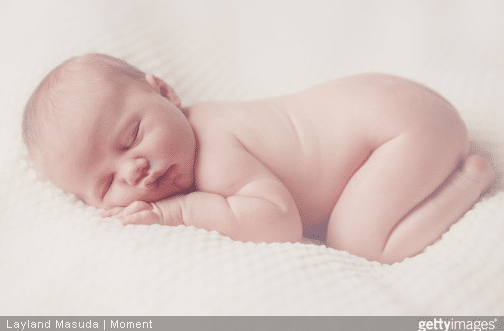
(372, 164)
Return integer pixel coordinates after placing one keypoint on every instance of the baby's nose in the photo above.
(134, 170)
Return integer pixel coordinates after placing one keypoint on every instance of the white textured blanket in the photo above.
(57, 257)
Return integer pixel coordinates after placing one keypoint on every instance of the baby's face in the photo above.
(128, 142)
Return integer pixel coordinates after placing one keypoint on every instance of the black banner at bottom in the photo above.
(39, 323)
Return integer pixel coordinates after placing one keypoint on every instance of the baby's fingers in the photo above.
(110, 212)
(138, 212)
(145, 217)
(130, 209)
(137, 206)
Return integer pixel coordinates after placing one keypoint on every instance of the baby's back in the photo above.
(315, 140)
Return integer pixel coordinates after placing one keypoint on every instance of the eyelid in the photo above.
(106, 187)
(132, 136)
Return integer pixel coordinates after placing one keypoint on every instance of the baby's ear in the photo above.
(164, 89)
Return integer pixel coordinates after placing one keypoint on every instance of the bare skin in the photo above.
(376, 163)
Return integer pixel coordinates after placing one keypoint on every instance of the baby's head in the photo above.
(103, 130)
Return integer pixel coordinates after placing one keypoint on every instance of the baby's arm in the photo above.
(238, 196)
(260, 211)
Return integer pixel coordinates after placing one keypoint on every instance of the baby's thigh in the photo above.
(397, 176)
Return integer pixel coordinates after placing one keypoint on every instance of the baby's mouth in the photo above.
(158, 177)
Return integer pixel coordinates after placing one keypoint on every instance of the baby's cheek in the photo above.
(184, 181)
(119, 197)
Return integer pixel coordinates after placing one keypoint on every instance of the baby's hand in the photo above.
(138, 212)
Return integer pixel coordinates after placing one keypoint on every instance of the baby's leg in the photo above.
(394, 205)
(434, 216)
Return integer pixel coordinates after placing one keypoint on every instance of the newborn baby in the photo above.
(371, 164)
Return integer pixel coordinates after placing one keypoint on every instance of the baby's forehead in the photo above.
(75, 136)
(68, 90)
(85, 91)
(79, 104)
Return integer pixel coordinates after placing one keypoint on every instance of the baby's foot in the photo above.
(477, 172)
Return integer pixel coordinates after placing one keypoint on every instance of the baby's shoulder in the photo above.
(209, 115)
(221, 159)
(220, 122)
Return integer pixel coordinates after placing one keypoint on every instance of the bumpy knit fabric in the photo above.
(57, 257)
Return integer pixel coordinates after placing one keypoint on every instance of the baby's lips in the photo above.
(152, 179)
(156, 177)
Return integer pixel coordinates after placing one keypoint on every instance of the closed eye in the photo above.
(131, 137)
(108, 183)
